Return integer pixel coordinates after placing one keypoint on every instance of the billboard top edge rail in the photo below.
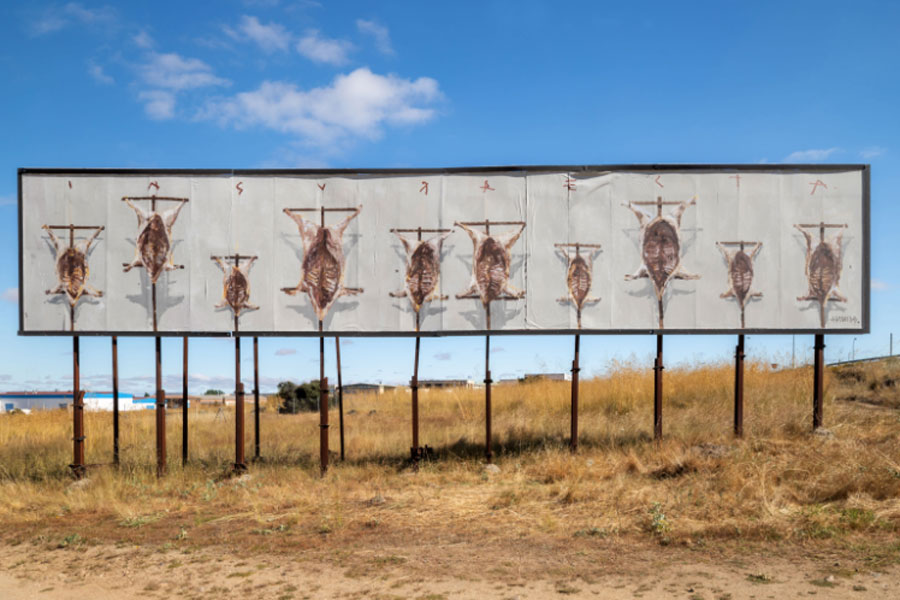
(639, 167)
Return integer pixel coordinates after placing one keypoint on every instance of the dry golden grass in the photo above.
(781, 483)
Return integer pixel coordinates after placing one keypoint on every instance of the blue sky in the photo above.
(268, 83)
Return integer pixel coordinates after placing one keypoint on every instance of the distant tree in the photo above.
(299, 398)
(213, 392)
(286, 393)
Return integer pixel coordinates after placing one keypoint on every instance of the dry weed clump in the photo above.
(698, 485)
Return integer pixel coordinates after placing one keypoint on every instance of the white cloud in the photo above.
(443, 356)
(172, 71)
(379, 32)
(7, 200)
(11, 295)
(99, 75)
(56, 18)
(814, 155)
(158, 104)
(166, 74)
(285, 352)
(358, 104)
(872, 152)
(143, 40)
(272, 37)
(879, 286)
(323, 50)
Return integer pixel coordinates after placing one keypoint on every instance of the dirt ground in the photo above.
(434, 572)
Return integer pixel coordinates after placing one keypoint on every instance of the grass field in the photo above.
(781, 487)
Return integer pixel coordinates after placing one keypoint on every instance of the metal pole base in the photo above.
(421, 453)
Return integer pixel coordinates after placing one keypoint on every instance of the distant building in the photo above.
(172, 400)
(28, 401)
(366, 388)
(529, 377)
(177, 400)
(446, 383)
(214, 399)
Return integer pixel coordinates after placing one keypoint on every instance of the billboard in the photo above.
(596, 249)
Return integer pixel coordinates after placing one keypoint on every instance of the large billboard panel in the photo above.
(625, 249)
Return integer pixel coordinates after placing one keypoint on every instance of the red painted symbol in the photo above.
(816, 184)
(424, 187)
(321, 186)
(70, 184)
(657, 181)
(569, 184)
(153, 184)
(486, 187)
(239, 188)
(737, 179)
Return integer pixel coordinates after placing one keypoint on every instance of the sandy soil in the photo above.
(103, 572)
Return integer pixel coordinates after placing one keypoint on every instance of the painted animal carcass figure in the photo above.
(660, 248)
(154, 246)
(423, 270)
(490, 266)
(72, 268)
(579, 275)
(740, 272)
(236, 286)
(322, 271)
(823, 268)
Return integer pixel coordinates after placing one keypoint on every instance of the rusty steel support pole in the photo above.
(323, 405)
(818, 380)
(574, 418)
(256, 398)
(160, 414)
(415, 451)
(658, 390)
(184, 401)
(115, 387)
(739, 387)
(77, 465)
(488, 447)
(340, 392)
(323, 424)
(240, 463)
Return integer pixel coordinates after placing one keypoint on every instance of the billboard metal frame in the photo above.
(864, 169)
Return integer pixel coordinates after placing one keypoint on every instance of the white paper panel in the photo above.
(229, 213)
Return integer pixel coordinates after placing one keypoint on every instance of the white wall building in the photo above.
(28, 401)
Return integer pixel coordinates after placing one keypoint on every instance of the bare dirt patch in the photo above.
(430, 572)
